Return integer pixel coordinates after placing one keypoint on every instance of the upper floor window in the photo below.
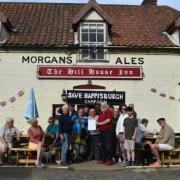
(93, 39)
(92, 33)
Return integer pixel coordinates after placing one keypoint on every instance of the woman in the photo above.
(94, 137)
(65, 129)
(36, 140)
(52, 132)
(120, 133)
(80, 132)
(115, 142)
(106, 134)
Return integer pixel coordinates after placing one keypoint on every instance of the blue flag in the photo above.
(31, 111)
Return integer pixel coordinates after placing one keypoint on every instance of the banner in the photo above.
(95, 97)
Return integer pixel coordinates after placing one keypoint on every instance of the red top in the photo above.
(35, 133)
(103, 116)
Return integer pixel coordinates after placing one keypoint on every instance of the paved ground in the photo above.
(89, 171)
(58, 174)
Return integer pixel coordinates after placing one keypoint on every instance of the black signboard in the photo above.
(95, 97)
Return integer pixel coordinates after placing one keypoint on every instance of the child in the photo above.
(130, 128)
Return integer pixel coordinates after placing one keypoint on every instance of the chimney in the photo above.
(149, 2)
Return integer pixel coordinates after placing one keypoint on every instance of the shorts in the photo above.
(3, 147)
(32, 146)
(129, 144)
(165, 147)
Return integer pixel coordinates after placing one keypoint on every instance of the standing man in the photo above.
(65, 130)
(164, 142)
(130, 129)
(106, 134)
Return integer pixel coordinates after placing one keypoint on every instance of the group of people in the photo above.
(115, 137)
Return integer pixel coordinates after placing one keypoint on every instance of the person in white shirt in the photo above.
(141, 131)
(120, 132)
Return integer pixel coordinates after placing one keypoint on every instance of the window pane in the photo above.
(84, 28)
(84, 37)
(92, 28)
(100, 28)
(85, 54)
(92, 53)
(100, 53)
(100, 37)
(92, 37)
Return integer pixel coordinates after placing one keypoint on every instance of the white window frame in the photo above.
(95, 44)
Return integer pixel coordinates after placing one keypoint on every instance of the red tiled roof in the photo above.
(45, 24)
(92, 5)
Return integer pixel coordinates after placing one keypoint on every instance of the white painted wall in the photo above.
(92, 15)
(161, 72)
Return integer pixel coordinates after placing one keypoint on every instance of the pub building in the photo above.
(89, 53)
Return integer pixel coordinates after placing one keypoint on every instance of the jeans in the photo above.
(106, 145)
(64, 147)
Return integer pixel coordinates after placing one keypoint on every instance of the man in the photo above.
(141, 131)
(141, 154)
(65, 130)
(130, 129)
(164, 142)
(106, 134)
(7, 134)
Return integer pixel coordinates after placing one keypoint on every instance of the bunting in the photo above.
(12, 99)
(162, 94)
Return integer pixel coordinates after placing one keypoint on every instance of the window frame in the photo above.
(93, 44)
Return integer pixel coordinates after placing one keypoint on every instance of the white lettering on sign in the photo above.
(75, 95)
(49, 71)
(54, 72)
(72, 72)
(100, 72)
(102, 96)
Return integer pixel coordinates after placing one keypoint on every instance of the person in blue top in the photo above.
(80, 133)
(65, 130)
(52, 131)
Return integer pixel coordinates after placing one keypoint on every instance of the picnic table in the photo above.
(168, 157)
(22, 151)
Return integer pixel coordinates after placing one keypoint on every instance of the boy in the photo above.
(130, 128)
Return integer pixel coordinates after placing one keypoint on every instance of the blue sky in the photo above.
(173, 3)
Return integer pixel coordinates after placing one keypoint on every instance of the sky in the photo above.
(173, 3)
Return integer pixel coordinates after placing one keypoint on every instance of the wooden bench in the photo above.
(170, 157)
(27, 153)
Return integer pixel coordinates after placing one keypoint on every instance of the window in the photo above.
(92, 39)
